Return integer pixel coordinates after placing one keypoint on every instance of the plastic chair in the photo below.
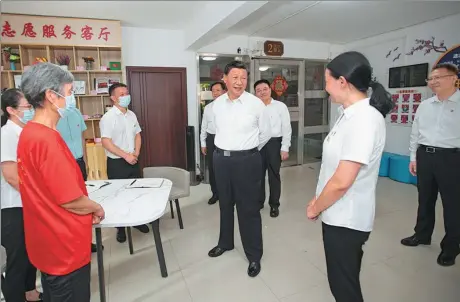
(180, 179)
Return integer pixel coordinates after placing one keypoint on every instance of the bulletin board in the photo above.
(406, 103)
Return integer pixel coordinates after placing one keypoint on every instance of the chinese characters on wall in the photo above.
(59, 31)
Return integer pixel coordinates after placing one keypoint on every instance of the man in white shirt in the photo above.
(242, 129)
(435, 159)
(207, 134)
(277, 148)
(121, 139)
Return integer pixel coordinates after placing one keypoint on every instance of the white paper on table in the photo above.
(146, 183)
(95, 185)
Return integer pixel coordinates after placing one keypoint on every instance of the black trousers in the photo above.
(344, 252)
(439, 172)
(238, 180)
(210, 147)
(120, 169)
(20, 275)
(81, 163)
(73, 287)
(271, 161)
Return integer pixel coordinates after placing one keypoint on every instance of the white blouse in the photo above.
(10, 137)
(357, 136)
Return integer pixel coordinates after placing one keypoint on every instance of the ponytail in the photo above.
(380, 98)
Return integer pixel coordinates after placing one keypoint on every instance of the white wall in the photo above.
(376, 48)
(165, 48)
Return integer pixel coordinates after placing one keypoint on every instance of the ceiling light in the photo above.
(209, 58)
(263, 68)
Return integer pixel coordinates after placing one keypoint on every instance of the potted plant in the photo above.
(63, 60)
(89, 62)
(13, 58)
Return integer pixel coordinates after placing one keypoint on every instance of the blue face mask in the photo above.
(28, 116)
(69, 100)
(124, 101)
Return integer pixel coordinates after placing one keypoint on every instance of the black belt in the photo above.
(236, 153)
(210, 134)
(431, 149)
(276, 139)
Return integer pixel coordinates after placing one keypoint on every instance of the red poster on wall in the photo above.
(279, 85)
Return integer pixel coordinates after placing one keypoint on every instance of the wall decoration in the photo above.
(388, 54)
(451, 56)
(279, 85)
(406, 103)
(42, 30)
(397, 57)
(428, 46)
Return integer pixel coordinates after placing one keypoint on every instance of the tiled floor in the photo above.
(293, 266)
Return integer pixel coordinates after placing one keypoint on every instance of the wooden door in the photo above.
(159, 99)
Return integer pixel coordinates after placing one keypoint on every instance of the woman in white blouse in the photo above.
(345, 194)
(20, 276)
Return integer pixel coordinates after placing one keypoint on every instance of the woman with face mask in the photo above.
(20, 277)
(58, 215)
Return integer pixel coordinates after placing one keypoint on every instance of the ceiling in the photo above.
(342, 21)
(151, 14)
(335, 22)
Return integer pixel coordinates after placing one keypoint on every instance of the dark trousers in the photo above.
(238, 180)
(210, 147)
(439, 172)
(271, 161)
(81, 163)
(20, 275)
(73, 287)
(120, 169)
(344, 251)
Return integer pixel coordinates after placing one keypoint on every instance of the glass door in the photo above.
(316, 111)
(290, 76)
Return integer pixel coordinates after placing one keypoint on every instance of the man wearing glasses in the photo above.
(435, 159)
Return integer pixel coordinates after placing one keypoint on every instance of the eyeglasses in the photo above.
(437, 78)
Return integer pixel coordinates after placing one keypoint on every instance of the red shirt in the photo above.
(58, 242)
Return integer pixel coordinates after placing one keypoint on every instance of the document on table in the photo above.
(146, 183)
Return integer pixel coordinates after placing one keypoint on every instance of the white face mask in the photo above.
(28, 115)
(69, 103)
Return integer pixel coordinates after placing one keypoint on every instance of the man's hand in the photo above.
(203, 150)
(136, 154)
(413, 168)
(130, 158)
(284, 155)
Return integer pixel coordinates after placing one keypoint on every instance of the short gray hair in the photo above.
(38, 78)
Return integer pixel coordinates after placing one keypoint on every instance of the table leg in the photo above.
(130, 241)
(159, 247)
(100, 265)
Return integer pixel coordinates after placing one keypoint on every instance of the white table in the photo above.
(127, 207)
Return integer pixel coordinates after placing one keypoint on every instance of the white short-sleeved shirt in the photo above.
(121, 128)
(10, 138)
(207, 124)
(241, 124)
(358, 136)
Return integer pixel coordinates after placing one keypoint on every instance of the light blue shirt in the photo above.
(71, 129)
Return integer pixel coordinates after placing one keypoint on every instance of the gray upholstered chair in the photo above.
(180, 179)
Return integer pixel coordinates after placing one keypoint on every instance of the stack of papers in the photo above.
(146, 183)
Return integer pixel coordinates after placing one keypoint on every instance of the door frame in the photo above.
(296, 113)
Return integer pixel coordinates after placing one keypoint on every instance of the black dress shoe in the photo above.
(94, 248)
(216, 252)
(447, 259)
(274, 212)
(254, 269)
(213, 199)
(142, 228)
(414, 241)
(121, 235)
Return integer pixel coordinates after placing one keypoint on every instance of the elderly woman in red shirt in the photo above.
(58, 215)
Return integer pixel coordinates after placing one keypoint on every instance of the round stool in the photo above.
(385, 164)
(399, 169)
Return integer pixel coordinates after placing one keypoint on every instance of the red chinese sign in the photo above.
(60, 31)
(279, 85)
